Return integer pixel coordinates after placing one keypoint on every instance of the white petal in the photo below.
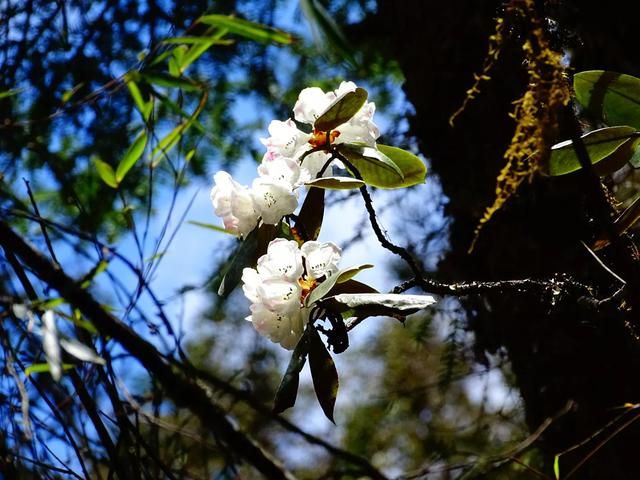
(283, 260)
(280, 296)
(279, 168)
(312, 164)
(233, 203)
(285, 138)
(273, 199)
(250, 282)
(312, 102)
(321, 259)
(81, 351)
(50, 344)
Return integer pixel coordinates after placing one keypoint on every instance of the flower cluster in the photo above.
(288, 162)
(284, 277)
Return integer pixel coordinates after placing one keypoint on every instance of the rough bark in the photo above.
(558, 353)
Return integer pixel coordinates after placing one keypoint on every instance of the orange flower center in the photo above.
(319, 138)
(307, 284)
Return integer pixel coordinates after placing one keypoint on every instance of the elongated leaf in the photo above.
(341, 110)
(44, 367)
(372, 304)
(556, 467)
(196, 41)
(611, 97)
(106, 173)
(311, 214)
(210, 226)
(243, 257)
(132, 155)
(325, 287)
(247, 29)
(336, 183)
(413, 169)
(10, 93)
(169, 81)
(323, 374)
(351, 286)
(288, 389)
(81, 351)
(608, 148)
(348, 273)
(143, 106)
(246, 255)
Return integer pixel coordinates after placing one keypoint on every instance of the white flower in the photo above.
(234, 204)
(321, 259)
(312, 102)
(283, 329)
(279, 168)
(273, 199)
(312, 164)
(285, 139)
(282, 260)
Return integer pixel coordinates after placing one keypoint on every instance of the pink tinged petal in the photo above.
(233, 203)
(283, 260)
(321, 259)
(51, 345)
(250, 282)
(273, 199)
(345, 87)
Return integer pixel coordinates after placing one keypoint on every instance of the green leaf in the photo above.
(351, 286)
(243, 257)
(251, 30)
(288, 389)
(132, 155)
(412, 167)
(348, 273)
(323, 374)
(169, 81)
(609, 148)
(10, 93)
(611, 97)
(311, 214)
(340, 276)
(341, 110)
(374, 167)
(106, 173)
(210, 226)
(336, 183)
(144, 107)
(556, 467)
(215, 40)
(44, 367)
(246, 255)
(373, 304)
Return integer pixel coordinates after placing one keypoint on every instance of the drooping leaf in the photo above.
(611, 97)
(44, 367)
(326, 31)
(341, 110)
(352, 286)
(323, 289)
(80, 351)
(336, 183)
(243, 257)
(247, 254)
(288, 389)
(132, 155)
(556, 467)
(210, 226)
(323, 374)
(311, 214)
(348, 273)
(169, 81)
(251, 30)
(412, 167)
(106, 173)
(372, 304)
(143, 106)
(609, 148)
(10, 93)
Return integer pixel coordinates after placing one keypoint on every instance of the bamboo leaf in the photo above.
(132, 155)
